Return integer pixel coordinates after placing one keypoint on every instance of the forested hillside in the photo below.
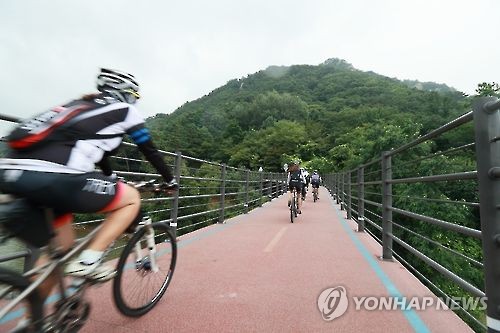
(307, 112)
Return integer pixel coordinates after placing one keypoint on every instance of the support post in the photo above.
(175, 203)
(386, 206)
(486, 113)
(349, 196)
(247, 180)
(361, 199)
(222, 192)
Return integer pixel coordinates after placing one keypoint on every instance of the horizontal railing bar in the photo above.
(420, 275)
(441, 269)
(475, 262)
(446, 177)
(446, 127)
(447, 225)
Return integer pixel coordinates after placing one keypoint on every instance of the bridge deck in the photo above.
(260, 273)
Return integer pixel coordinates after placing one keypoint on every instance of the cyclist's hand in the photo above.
(169, 187)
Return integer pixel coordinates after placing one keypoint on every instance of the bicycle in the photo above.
(315, 194)
(293, 205)
(150, 253)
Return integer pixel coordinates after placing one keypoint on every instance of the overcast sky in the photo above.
(51, 50)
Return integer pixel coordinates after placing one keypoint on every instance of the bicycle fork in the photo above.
(147, 262)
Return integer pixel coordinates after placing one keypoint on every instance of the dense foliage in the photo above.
(333, 118)
(306, 112)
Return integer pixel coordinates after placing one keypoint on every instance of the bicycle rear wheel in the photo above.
(139, 285)
(11, 284)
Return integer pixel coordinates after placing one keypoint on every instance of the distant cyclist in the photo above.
(295, 180)
(61, 173)
(315, 182)
(305, 186)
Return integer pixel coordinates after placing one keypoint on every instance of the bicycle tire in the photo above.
(19, 283)
(123, 279)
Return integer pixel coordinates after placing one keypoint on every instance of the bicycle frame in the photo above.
(48, 268)
(57, 260)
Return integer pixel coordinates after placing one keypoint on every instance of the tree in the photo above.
(488, 89)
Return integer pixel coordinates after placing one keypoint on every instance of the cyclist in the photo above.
(315, 182)
(305, 185)
(295, 180)
(61, 174)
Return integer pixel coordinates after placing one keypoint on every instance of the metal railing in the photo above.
(209, 192)
(403, 198)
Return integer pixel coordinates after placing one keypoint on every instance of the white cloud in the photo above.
(51, 50)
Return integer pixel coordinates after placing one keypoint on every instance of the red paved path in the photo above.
(260, 273)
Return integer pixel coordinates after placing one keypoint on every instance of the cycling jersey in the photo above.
(103, 115)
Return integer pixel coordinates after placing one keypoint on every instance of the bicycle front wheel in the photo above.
(144, 271)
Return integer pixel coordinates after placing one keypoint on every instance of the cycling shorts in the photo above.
(295, 184)
(90, 192)
(315, 184)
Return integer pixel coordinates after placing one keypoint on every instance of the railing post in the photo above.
(247, 179)
(337, 187)
(260, 188)
(342, 192)
(386, 206)
(285, 184)
(487, 132)
(361, 199)
(222, 192)
(349, 197)
(175, 203)
(270, 192)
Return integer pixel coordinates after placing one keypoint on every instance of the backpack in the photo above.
(315, 178)
(295, 177)
(50, 126)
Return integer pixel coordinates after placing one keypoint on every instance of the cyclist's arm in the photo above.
(141, 137)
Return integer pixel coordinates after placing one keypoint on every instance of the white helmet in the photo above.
(120, 85)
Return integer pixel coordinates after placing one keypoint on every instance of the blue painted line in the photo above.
(416, 323)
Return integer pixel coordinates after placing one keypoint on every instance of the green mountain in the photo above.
(308, 112)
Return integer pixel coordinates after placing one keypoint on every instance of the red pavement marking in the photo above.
(260, 273)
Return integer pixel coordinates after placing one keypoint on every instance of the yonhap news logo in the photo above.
(333, 302)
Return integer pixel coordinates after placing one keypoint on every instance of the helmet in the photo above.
(315, 171)
(120, 85)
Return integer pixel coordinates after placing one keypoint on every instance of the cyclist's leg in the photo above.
(120, 216)
(65, 237)
(122, 210)
(83, 193)
(299, 198)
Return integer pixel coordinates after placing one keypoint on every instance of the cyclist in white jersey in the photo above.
(61, 173)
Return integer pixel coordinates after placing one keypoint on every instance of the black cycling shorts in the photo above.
(90, 192)
(296, 185)
(315, 184)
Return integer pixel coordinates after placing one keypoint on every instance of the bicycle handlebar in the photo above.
(153, 186)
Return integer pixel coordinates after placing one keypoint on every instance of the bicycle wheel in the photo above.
(139, 285)
(292, 215)
(11, 284)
